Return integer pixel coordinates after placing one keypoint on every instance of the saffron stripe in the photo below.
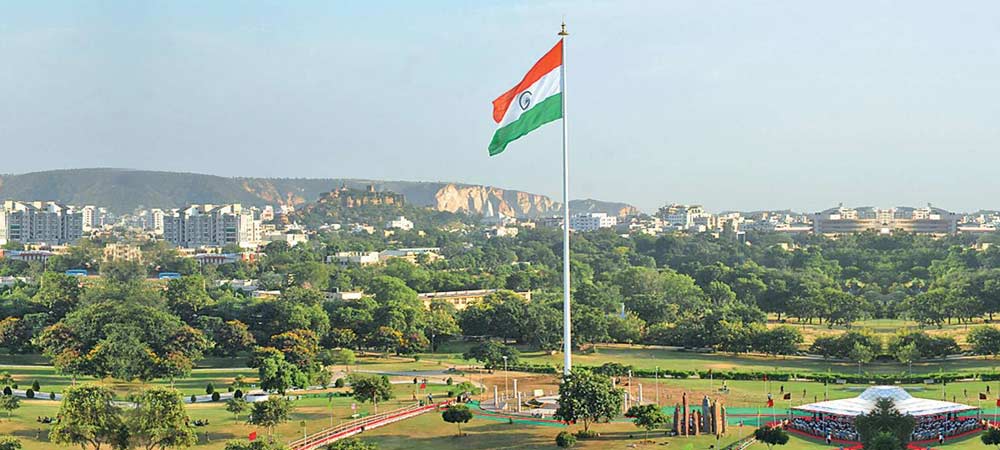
(551, 61)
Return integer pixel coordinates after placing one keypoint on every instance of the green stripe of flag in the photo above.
(548, 110)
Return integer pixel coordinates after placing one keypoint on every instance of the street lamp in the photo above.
(657, 385)
(505, 393)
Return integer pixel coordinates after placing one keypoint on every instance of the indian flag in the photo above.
(535, 101)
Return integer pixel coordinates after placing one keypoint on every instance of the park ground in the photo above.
(316, 410)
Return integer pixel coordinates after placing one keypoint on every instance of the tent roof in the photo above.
(865, 402)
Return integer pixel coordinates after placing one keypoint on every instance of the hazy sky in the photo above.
(733, 104)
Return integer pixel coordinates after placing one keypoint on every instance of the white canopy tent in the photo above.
(905, 403)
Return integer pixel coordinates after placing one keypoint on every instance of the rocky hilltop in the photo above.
(123, 190)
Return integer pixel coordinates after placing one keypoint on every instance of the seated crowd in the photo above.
(942, 426)
(842, 429)
(836, 429)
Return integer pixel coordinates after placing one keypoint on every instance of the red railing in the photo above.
(357, 426)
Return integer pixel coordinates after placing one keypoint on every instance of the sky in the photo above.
(730, 104)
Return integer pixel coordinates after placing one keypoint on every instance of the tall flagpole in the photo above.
(567, 343)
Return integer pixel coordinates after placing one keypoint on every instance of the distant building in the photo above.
(122, 252)
(349, 258)
(215, 259)
(681, 217)
(292, 239)
(462, 299)
(41, 256)
(591, 222)
(344, 295)
(40, 222)
(211, 226)
(412, 254)
(501, 231)
(245, 286)
(399, 223)
(927, 220)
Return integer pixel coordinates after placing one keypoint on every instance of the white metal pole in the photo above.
(567, 345)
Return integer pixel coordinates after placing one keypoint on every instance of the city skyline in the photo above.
(738, 107)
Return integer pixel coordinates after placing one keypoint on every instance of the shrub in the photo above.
(215, 396)
(194, 398)
(7, 391)
(451, 394)
(52, 395)
(238, 393)
(339, 383)
(30, 393)
(565, 439)
(587, 434)
(229, 389)
(35, 386)
(209, 388)
(449, 381)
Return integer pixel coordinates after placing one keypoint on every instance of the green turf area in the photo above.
(650, 357)
(744, 399)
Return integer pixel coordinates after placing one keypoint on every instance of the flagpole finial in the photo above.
(562, 31)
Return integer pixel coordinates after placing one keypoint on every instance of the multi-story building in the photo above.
(927, 220)
(591, 222)
(40, 222)
(681, 217)
(122, 252)
(348, 258)
(210, 226)
(462, 299)
(412, 254)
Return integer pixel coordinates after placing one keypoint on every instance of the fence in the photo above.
(357, 426)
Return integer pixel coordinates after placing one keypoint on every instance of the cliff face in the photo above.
(484, 199)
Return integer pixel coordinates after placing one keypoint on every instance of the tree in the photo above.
(16, 333)
(771, 436)
(906, 354)
(9, 403)
(648, 417)
(276, 374)
(236, 406)
(990, 437)
(58, 294)
(270, 413)
(88, 417)
(9, 443)
(985, 340)
(588, 397)
(457, 414)
(352, 444)
(781, 340)
(884, 419)
(371, 388)
(159, 420)
(124, 339)
(233, 337)
(492, 353)
(861, 354)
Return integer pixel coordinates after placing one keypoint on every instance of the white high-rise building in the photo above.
(40, 222)
(210, 226)
(591, 222)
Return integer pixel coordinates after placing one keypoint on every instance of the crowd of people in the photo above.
(843, 429)
(826, 428)
(942, 427)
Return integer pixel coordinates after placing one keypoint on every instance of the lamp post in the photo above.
(657, 385)
(505, 393)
